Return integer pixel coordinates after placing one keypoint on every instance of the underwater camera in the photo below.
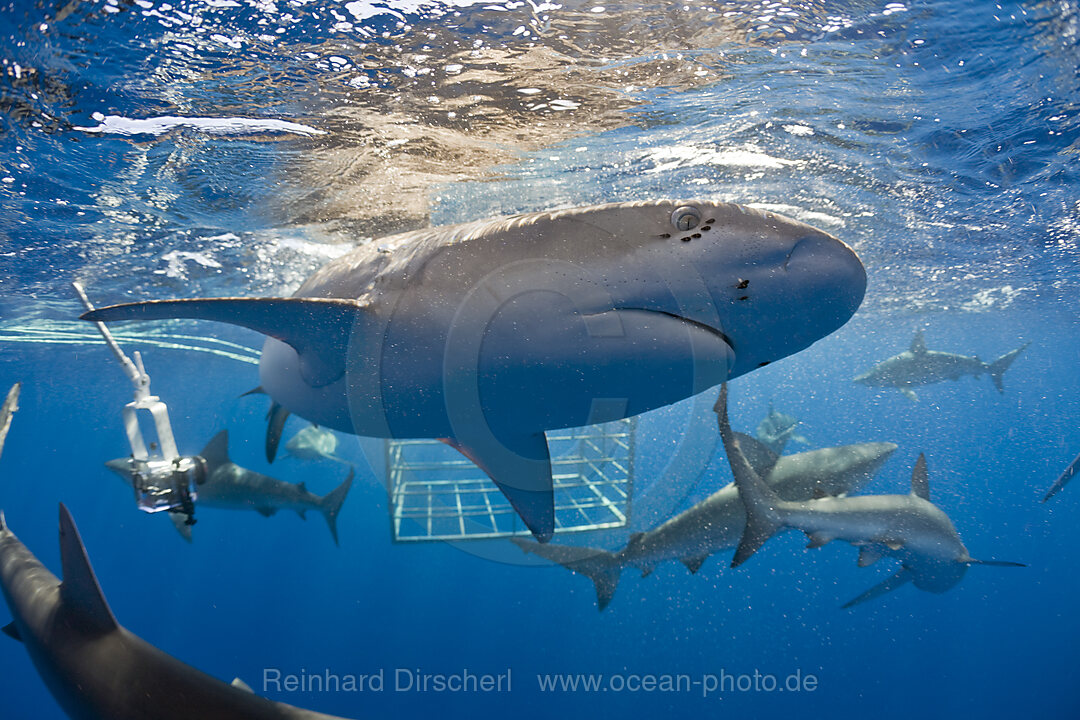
(168, 485)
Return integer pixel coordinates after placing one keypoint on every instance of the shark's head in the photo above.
(768, 284)
(124, 467)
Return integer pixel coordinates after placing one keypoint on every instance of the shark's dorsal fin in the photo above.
(216, 452)
(241, 685)
(317, 328)
(920, 479)
(918, 345)
(635, 538)
(758, 454)
(80, 589)
(11, 631)
(522, 470)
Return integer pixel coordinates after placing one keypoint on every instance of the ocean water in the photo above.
(192, 148)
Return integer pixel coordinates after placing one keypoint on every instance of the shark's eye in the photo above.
(685, 218)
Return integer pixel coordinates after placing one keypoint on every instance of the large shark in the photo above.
(314, 443)
(96, 669)
(716, 523)
(909, 528)
(489, 333)
(231, 487)
(919, 366)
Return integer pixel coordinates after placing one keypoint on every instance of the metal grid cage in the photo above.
(437, 494)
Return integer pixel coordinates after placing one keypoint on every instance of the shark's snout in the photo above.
(833, 263)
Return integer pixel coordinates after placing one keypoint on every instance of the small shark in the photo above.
(314, 443)
(776, 429)
(1064, 479)
(919, 366)
(231, 487)
(96, 669)
(716, 523)
(487, 334)
(907, 527)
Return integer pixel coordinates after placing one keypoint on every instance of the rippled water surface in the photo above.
(229, 147)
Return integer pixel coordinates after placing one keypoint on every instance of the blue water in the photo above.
(940, 139)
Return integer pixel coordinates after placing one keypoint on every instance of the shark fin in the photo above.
(216, 452)
(522, 472)
(289, 320)
(302, 513)
(635, 538)
(266, 511)
(998, 367)
(302, 486)
(819, 540)
(890, 543)
(3, 521)
(600, 566)
(331, 503)
(647, 570)
(889, 584)
(11, 631)
(908, 393)
(257, 390)
(918, 344)
(275, 425)
(80, 589)
(180, 522)
(1061, 482)
(11, 404)
(693, 564)
(920, 479)
(241, 685)
(868, 556)
(758, 454)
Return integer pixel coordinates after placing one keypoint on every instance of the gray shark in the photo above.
(231, 487)
(314, 443)
(1064, 478)
(716, 523)
(909, 528)
(777, 429)
(96, 669)
(919, 366)
(489, 333)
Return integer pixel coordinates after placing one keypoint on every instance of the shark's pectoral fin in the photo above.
(868, 556)
(317, 328)
(79, 589)
(521, 468)
(909, 394)
(241, 685)
(995, 563)
(275, 426)
(180, 522)
(693, 564)
(890, 583)
(265, 511)
(11, 631)
(818, 539)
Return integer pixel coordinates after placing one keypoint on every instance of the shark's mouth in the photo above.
(720, 334)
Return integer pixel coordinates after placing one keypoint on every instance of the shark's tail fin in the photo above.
(999, 366)
(1064, 479)
(331, 503)
(761, 503)
(600, 566)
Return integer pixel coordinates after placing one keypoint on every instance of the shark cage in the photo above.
(437, 494)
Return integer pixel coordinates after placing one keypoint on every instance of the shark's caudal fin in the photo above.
(999, 366)
(522, 472)
(761, 503)
(80, 589)
(1066, 476)
(331, 503)
(216, 452)
(317, 328)
(901, 577)
(600, 566)
(275, 426)
(11, 404)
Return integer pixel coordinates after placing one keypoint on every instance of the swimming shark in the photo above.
(231, 487)
(487, 334)
(716, 523)
(777, 429)
(314, 443)
(919, 366)
(96, 669)
(909, 528)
